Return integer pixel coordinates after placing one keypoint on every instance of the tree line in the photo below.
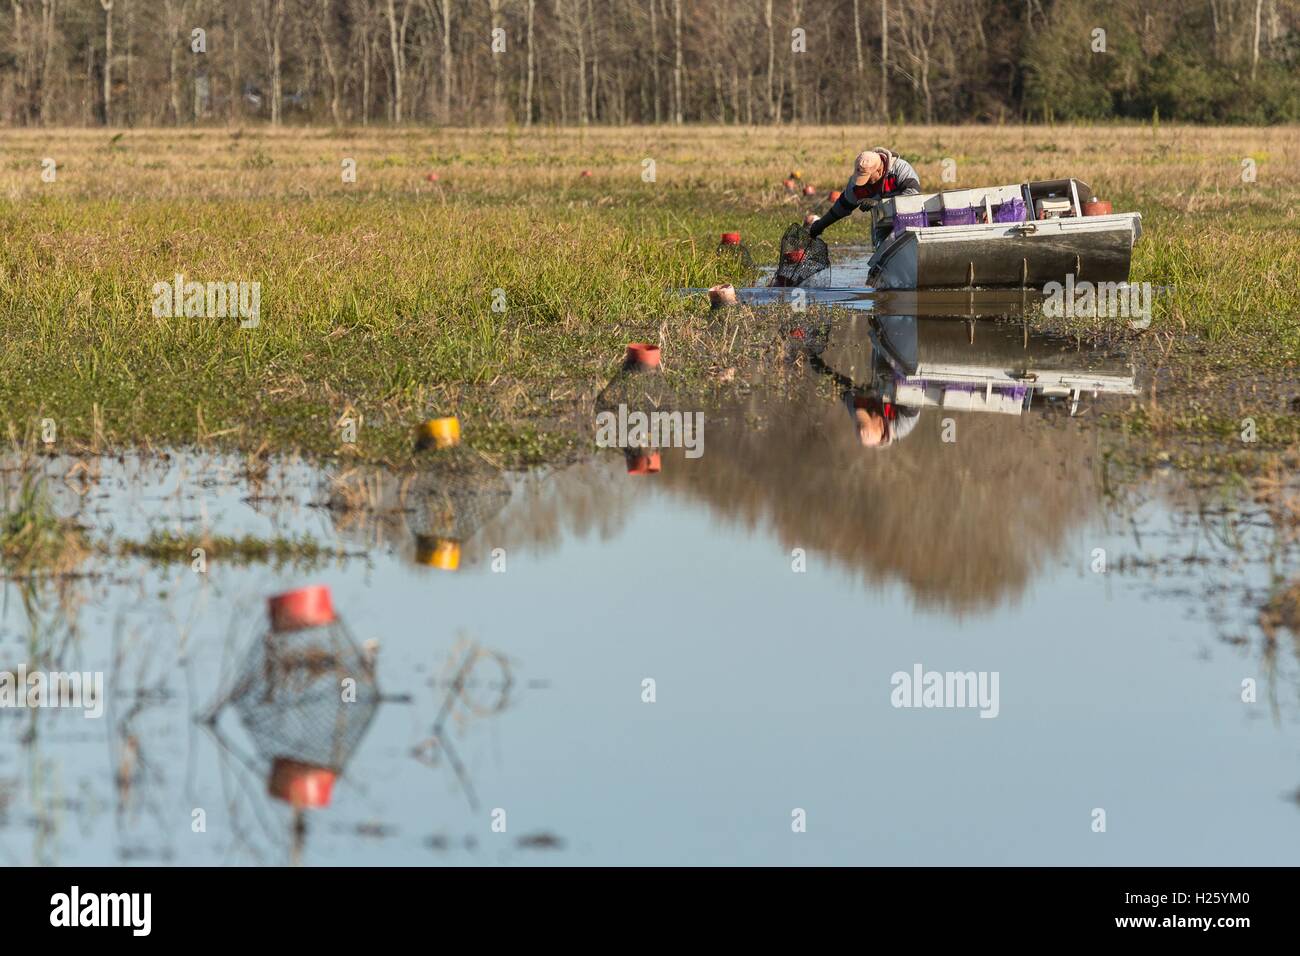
(574, 62)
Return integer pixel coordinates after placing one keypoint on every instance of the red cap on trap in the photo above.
(641, 355)
(302, 785)
(731, 238)
(305, 607)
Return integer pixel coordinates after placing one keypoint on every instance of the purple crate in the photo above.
(1013, 210)
(916, 220)
(962, 216)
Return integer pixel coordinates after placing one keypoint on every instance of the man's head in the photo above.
(868, 168)
(873, 430)
(870, 422)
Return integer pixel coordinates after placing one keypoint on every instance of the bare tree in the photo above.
(175, 13)
(1254, 53)
(272, 24)
(884, 60)
(677, 63)
(917, 22)
(857, 43)
(108, 61)
(318, 13)
(528, 98)
(446, 61)
(494, 15)
(397, 45)
(48, 18)
(771, 59)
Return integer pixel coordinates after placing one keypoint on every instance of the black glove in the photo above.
(816, 228)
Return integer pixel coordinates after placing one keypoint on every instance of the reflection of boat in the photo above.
(971, 366)
(1025, 234)
(848, 291)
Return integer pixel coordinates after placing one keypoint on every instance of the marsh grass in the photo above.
(377, 296)
(34, 540)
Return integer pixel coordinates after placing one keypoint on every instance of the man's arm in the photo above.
(842, 208)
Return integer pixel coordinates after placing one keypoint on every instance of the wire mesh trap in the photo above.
(802, 257)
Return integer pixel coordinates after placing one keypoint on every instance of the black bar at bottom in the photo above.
(337, 905)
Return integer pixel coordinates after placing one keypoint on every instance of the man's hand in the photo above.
(816, 228)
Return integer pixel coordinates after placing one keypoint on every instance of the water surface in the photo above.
(770, 588)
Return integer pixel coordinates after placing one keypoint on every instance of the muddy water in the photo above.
(771, 589)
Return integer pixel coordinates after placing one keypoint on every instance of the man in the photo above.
(877, 174)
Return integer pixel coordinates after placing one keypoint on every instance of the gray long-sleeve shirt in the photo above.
(900, 179)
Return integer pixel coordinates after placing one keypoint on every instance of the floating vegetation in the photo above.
(166, 547)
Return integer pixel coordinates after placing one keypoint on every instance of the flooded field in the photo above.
(939, 622)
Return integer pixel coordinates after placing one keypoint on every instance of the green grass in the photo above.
(387, 322)
(377, 297)
(34, 540)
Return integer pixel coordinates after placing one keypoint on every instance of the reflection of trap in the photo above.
(305, 693)
(363, 506)
(448, 506)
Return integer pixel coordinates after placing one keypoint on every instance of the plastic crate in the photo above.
(960, 215)
(913, 220)
(1013, 210)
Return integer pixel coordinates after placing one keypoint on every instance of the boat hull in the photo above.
(999, 255)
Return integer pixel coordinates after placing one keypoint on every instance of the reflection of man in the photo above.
(879, 419)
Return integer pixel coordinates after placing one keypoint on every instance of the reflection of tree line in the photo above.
(479, 509)
(963, 525)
